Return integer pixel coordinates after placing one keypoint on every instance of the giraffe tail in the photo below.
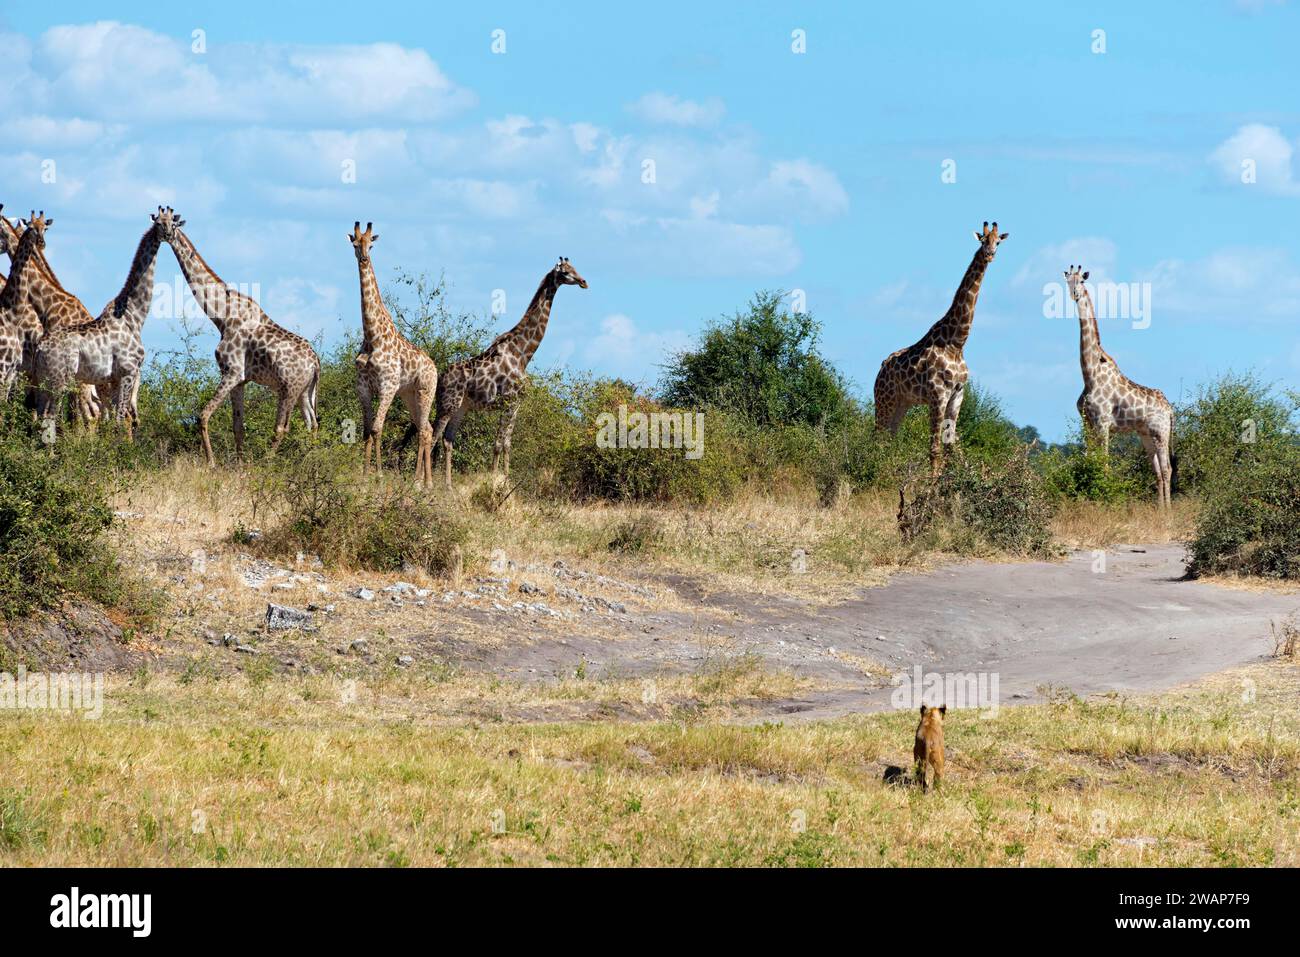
(311, 397)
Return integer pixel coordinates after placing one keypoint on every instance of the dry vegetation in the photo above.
(245, 771)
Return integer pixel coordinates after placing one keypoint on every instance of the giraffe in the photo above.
(1112, 402)
(19, 324)
(389, 366)
(933, 372)
(252, 348)
(54, 306)
(106, 351)
(495, 377)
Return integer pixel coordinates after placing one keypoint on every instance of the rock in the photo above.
(360, 645)
(401, 588)
(365, 594)
(282, 617)
(325, 608)
(528, 588)
(229, 640)
(405, 660)
(245, 649)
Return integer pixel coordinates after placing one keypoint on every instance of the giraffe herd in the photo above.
(933, 373)
(50, 337)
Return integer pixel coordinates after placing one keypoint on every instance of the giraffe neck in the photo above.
(527, 333)
(954, 328)
(376, 322)
(206, 285)
(1090, 351)
(136, 296)
(53, 303)
(15, 289)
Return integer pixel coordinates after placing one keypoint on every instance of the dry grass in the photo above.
(293, 772)
(1097, 525)
(757, 544)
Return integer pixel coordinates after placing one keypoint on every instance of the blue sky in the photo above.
(819, 171)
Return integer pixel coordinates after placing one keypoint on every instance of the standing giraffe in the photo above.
(495, 377)
(933, 372)
(252, 348)
(1112, 402)
(390, 366)
(106, 351)
(19, 325)
(55, 307)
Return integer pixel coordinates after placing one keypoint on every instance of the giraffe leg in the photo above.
(224, 388)
(507, 431)
(952, 414)
(377, 428)
(366, 398)
(237, 418)
(283, 410)
(1167, 469)
(448, 430)
(936, 437)
(1151, 444)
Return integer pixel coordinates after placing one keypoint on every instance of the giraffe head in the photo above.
(361, 242)
(37, 224)
(1075, 277)
(989, 240)
(166, 222)
(565, 274)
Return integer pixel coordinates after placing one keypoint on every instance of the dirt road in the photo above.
(1136, 625)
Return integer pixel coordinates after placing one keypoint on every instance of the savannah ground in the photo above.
(390, 733)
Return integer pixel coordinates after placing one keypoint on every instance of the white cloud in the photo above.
(1096, 254)
(122, 73)
(1267, 149)
(664, 108)
(1237, 285)
(623, 350)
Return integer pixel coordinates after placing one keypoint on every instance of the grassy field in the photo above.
(250, 771)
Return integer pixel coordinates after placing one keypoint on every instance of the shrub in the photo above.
(1231, 423)
(1250, 518)
(322, 503)
(1076, 470)
(762, 366)
(983, 504)
(54, 516)
(588, 470)
(1241, 450)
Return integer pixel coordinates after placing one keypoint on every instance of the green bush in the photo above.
(1230, 424)
(54, 516)
(1077, 470)
(1241, 450)
(321, 503)
(587, 470)
(1000, 504)
(762, 366)
(1250, 523)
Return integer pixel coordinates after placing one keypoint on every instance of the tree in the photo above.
(762, 365)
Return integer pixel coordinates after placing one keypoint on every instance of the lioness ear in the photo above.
(943, 709)
(923, 711)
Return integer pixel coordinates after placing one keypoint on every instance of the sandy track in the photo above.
(1139, 625)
